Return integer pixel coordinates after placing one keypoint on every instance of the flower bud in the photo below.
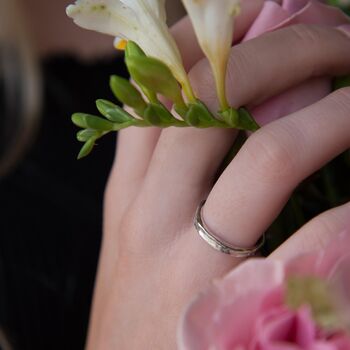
(239, 119)
(86, 134)
(158, 115)
(132, 49)
(88, 121)
(198, 115)
(126, 93)
(113, 112)
(87, 148)
(155, 76)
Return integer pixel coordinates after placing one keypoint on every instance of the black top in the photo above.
(51, 215)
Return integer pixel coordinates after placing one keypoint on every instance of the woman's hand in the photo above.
(153, 261)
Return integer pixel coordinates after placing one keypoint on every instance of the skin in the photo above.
(152, 261)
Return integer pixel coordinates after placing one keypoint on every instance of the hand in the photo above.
(152, 260)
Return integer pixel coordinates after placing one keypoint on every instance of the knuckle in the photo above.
(272, 155)
(242, 67)
(309, 35)
(309, 38)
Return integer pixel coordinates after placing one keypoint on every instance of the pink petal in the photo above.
(271, 15)
(293, 6)
(230, 304)
(292, 100)
(316, 13)
(322, 346)
(341, 342)
(321, 263)
(293, 329)
(339, 280)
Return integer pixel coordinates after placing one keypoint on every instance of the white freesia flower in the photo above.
(142, 21)
(213, 22)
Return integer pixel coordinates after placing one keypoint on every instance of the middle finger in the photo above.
(185, 161)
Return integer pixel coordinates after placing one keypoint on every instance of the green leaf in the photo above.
(158, 115)
(341, 82)
(88, 121)
(155, 76)
(86, 134)
(125, 92)
(199, 116)
(87, 148)
(113, 112)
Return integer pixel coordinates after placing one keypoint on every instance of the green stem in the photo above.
(187, 88)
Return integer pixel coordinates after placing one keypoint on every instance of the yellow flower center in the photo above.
(120, 44)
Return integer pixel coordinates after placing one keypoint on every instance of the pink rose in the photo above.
(247, 309)
(276, 14)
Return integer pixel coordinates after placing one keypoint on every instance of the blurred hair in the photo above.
(4, 343)
(19, 87)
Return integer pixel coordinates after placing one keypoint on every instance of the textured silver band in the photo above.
(218, 244)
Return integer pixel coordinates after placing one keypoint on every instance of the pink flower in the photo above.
(276, 14)
(247, 309)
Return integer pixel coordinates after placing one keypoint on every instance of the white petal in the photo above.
(142, 21)
(213, 23)
(156, 7)
(105, 16)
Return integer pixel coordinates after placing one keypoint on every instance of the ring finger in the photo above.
(258, 182)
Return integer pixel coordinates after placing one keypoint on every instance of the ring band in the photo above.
(218, 244)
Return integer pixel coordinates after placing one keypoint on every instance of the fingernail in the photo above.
(345, 28)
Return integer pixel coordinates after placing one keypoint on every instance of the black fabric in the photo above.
(51, 215)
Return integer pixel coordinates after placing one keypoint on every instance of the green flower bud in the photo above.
(113, 112)
(87, 148)
(155, 76)
(199, 116)
(239, 119)
(246, 120)
(158, 115)
(88, 121)
(132, 49)
(125, 92)
(86, 134)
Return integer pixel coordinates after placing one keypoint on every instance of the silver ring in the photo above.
(218, 244)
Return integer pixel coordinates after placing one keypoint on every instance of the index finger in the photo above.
(143, 141)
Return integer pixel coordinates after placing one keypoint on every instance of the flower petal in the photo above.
(151, 6)
(271, 15)
(230, 303)
(214, 25)
(105, 16)
(142, 21)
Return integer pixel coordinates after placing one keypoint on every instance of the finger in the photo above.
(187, 42)
(183, 33)
(316, 234)
(317, 51)
(189, 158)
(258, 182)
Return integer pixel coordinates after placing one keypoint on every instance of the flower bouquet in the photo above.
(264, 304)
